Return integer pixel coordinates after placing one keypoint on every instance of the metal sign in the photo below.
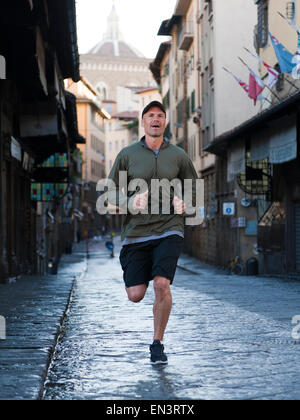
(229, 209)
(238, 222)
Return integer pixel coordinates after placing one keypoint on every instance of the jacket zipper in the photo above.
(156, 168)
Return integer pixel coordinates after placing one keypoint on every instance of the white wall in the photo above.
(234, 22)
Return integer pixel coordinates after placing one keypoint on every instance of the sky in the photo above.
(139, 22)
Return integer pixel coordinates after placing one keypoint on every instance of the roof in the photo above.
(63, 31)
(126, 115)
(108, 101)
(115, 48)
(89, 86)
(167, 25)
(220, 145)
(147, 89)
(182, 6)
(156, 64)
(112, 43)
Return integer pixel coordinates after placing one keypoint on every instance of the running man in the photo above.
(152, 243)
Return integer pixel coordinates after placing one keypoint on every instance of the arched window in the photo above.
(102, 90)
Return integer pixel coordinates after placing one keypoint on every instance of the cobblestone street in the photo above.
(228, 337)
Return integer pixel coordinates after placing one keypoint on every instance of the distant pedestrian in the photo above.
(152, 243)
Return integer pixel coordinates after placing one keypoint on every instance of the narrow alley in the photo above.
(229, 337)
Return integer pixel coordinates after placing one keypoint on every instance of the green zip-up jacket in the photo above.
(140, 162)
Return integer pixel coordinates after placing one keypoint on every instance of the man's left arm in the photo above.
(188, 177)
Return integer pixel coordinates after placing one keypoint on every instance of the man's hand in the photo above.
(179, 205)
(140, 201)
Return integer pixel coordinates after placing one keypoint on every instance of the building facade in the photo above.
(203, 101)
(113, 63)
(38, 134)
(91, 125)
(260, 158)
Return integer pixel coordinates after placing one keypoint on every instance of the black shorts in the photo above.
(143, 261)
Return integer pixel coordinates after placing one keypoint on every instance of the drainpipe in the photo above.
(185, 119)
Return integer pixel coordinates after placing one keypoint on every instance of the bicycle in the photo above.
(235, 266)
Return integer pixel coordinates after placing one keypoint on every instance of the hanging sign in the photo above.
(15, 149)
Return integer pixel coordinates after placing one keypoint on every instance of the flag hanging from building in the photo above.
(240, 82)
(273, 74)
(256, 85)
(243, 85)
(103, 159)
(296, 59)
(285, 58)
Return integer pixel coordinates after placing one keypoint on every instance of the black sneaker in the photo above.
(157, 353)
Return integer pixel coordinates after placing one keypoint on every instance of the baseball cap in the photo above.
(152, 105)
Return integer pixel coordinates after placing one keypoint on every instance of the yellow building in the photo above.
(91, 125)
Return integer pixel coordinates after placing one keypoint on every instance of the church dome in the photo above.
(113, 44)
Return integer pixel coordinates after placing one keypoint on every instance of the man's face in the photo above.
(154, 122)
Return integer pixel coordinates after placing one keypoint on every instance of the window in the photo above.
(263, 23)
(166, 100)
(188, 105)
(192, 148)
(180, 113)
(210, 6)
(96, 169)
(291, 10)
(102, 90)
(193, 106)
(109, 108)
(280, 82)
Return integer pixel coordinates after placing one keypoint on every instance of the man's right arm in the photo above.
(117, 182)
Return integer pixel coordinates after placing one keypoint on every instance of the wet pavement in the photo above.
(228, 337)
(33, 308)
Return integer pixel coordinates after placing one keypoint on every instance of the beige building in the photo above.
(205, 101)
(91, 117)
(91, 125)
(120, 131)
(258, 161)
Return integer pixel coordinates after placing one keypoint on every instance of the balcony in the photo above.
(186, 36)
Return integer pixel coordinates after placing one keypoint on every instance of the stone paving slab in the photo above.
(229, 337)
(33, 308)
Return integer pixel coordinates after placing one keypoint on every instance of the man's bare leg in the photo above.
(162, 306)
(136, 293)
